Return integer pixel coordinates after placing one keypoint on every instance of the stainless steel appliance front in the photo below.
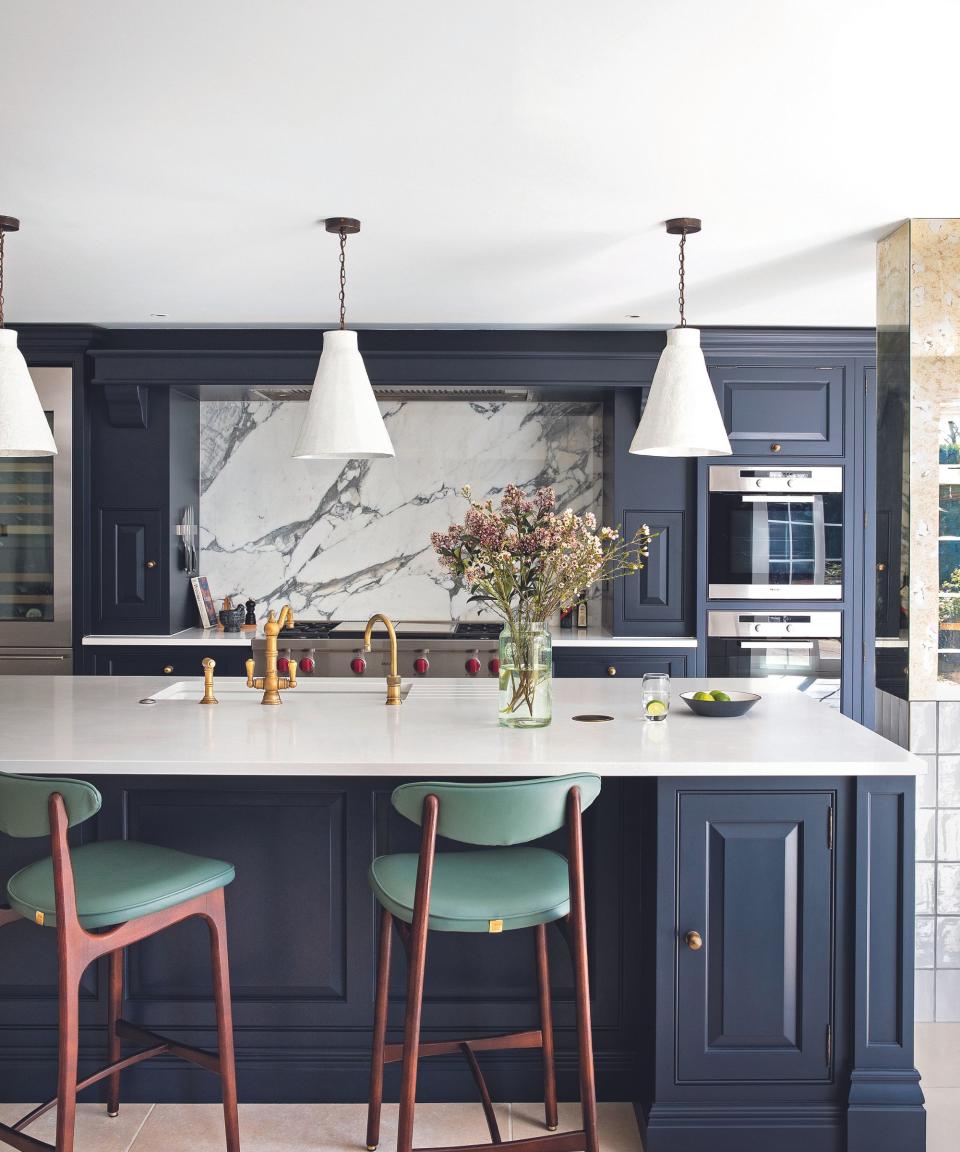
(424, 648)
(775, 533)
(36, 554)
(801, 649)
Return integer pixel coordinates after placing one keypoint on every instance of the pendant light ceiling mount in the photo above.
(683, 226)
(349, 225)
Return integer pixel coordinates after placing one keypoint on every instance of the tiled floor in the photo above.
(314, 1127)
(341, 1127)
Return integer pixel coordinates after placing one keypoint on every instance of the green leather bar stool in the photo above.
(505, 886)
(100, 898)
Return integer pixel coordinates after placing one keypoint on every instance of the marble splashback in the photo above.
(346, 539)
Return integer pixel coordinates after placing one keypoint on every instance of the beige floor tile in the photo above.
(299, 1127)
(617, 1123)
(96, 1131)
(943, 1118)
(937, 1049)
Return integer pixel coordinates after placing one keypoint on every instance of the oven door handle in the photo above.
(806, 645)
(777, 498)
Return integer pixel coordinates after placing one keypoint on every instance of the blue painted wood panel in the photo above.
(783, 409)
(756, 880)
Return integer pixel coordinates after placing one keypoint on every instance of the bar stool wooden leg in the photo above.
(578, 947)
(379, 1030)
(546, 1029)
(69, 1042)
(114, 1012)
(417, 953)
(217, 921)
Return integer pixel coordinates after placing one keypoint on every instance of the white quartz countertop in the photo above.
(592, 637)
(192, 636)
(94, 724)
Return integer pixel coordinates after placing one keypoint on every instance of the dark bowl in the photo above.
(738, 704)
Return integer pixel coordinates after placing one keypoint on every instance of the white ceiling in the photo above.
(512, 163)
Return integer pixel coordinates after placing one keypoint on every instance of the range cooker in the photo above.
(424, 648)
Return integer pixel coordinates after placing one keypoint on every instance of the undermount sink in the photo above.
(232, 690)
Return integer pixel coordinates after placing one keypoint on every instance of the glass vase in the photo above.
(526, 676)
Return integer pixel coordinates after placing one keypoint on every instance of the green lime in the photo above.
(656, 708)
(718, 695)
(702, 696)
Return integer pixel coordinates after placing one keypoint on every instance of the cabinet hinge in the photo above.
(830, 828)
(829, 1045)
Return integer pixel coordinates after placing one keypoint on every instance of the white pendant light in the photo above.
(343, 420)
(24, 430)
(681, 416)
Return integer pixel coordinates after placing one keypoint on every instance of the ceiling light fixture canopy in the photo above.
(681, 417)
(343, 421)
(24, 430)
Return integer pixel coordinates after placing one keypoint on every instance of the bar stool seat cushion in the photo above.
(116, 881)
(519, 886)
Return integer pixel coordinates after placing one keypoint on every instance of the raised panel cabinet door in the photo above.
(754, 985)
(656, 591)
(130, 567)
(782, 409)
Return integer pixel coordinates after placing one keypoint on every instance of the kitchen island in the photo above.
(783, 841)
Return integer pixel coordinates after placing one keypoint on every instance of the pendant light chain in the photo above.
(343, 278)
(683, 244)
(2, 234)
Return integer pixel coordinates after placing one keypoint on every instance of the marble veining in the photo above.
(345, 539)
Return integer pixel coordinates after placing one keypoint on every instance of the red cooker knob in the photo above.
(421, 665)
(472, 666)
(358, 665)
(494, 667)
(307, 664)
(283, 665)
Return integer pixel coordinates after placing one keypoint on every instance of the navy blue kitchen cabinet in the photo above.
(783, 407)
(144, 463)
(787, 1021)
(755, 882)
(620, 662)
(661, 493)
(179, 662)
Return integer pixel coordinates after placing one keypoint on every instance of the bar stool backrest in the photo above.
(513, 812)
(24, 803)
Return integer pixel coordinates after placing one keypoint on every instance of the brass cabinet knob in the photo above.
(881, 567)
(694, 941)
(167, 669)
(611, 670)
(151, 564)
(775, 447)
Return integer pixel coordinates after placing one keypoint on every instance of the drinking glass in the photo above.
(656, 695)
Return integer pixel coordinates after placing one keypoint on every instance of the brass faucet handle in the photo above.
(249, 667)
(291, 680)
(208, 667)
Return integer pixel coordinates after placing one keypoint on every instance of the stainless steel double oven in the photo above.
(776, 534)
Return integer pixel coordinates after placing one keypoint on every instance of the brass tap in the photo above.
(272, 683)
(393, 680)
(208, 667)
